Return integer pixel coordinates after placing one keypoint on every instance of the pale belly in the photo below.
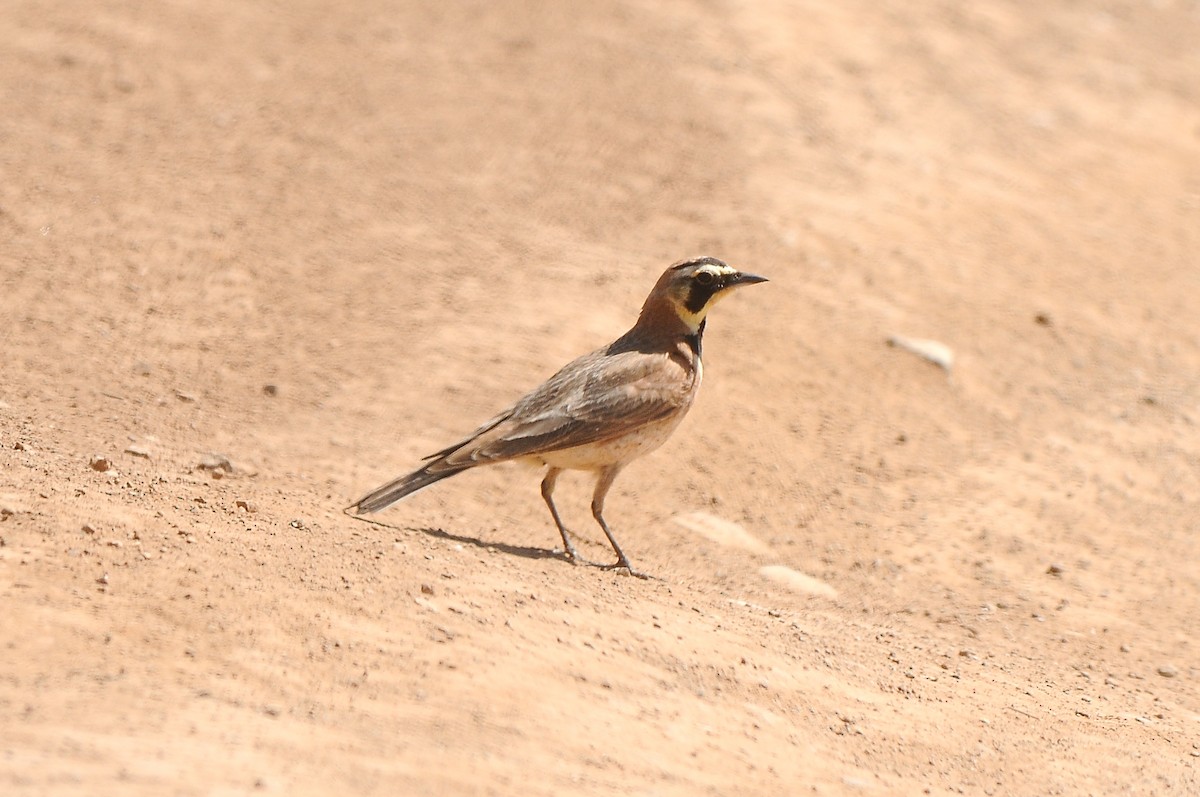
(612, 452)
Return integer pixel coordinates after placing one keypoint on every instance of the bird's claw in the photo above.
(574, 558)
(623, 564)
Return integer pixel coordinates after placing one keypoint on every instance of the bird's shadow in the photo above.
(523, 551)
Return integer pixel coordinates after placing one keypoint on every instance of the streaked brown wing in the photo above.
(491, 423)
(598, 397)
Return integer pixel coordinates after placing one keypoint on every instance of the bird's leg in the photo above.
(603, 483)
(547, 494)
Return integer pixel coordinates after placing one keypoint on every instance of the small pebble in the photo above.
(217, 465)
(137, 450)
(1167, 671)
(100, 464)
(934, 351)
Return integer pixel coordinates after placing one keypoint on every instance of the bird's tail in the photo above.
(393, 491)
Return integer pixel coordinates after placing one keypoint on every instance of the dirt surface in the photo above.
(257, 258)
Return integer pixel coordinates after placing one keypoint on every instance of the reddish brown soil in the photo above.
(401, 216)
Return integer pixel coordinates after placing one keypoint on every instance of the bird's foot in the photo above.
(623, 564)
(572, 556)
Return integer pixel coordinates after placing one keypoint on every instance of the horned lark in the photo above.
(601, 411)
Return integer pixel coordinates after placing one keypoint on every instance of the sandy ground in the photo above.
(257, 258)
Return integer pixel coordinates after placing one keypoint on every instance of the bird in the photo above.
(601, 411)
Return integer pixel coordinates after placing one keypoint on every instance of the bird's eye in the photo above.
(705, 277)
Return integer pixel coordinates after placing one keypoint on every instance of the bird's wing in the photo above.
(490, 424)
(598, 397)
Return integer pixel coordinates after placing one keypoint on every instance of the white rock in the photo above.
(934, 351)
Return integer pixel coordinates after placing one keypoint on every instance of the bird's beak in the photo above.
(744, 279)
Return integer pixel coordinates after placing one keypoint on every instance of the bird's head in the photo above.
(690, 287)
